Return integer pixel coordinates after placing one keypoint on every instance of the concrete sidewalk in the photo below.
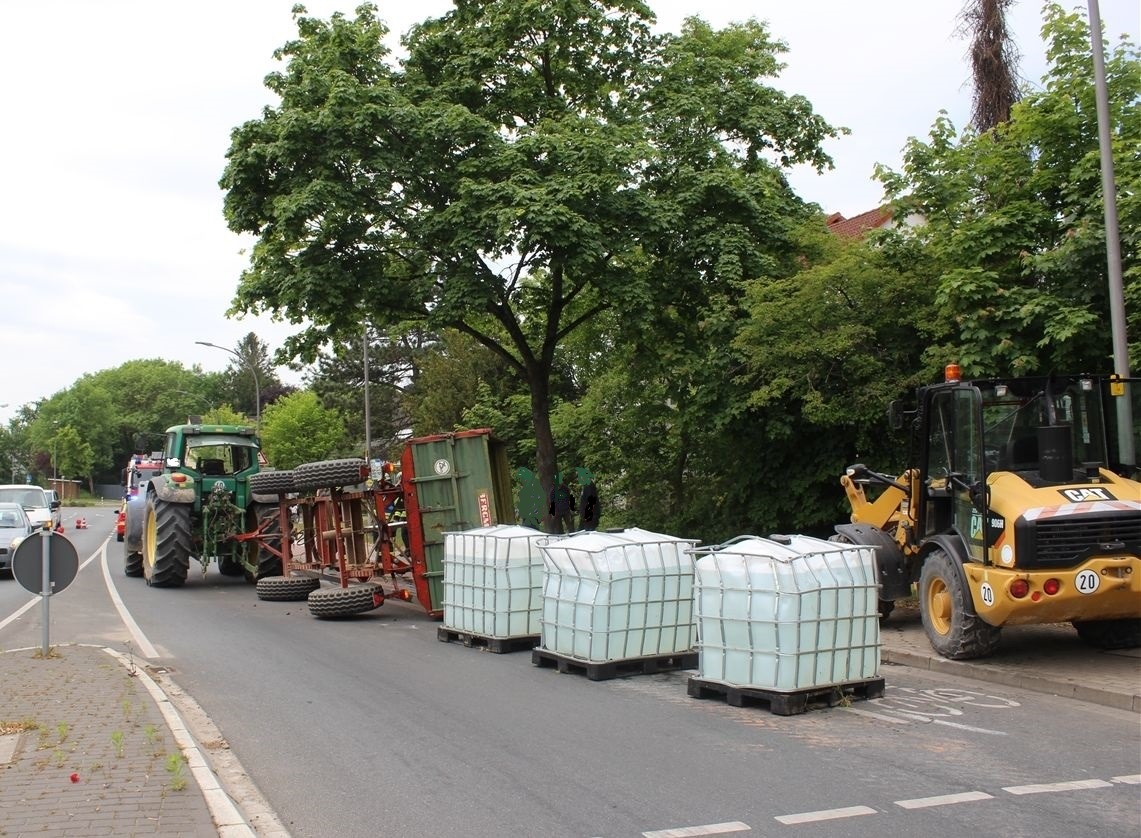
(90, 745)
(1048, 659)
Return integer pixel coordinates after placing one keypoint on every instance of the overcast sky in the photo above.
(117, 115)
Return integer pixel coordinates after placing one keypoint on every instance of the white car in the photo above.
(14, 528)
(35, 501)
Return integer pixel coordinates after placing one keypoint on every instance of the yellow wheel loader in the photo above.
(1022, 506)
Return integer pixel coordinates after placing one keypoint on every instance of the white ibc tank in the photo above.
(610, 596)
(786, 614)
(493, 581)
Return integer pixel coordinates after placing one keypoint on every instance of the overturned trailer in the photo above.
(356, 542)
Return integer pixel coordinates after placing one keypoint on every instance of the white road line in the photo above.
(826, 815)
(146, 649)
(1072, 785)
(38, 598)
(708, 829)
(944, 799)
(881, 716)
(1127, 779)
(969, 727)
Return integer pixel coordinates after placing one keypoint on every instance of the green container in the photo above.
(460, 481)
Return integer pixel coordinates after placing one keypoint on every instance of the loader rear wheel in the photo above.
(287, 588)
(266, 518)
(885, 606)
(166, 543)
(1110, 634)
(328, 474)
(956, 632)
(344, 602)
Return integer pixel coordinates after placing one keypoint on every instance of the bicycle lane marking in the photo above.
(905, 705)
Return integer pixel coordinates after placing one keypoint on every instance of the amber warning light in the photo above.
(951, 372)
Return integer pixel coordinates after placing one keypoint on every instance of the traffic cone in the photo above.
(81, 523)
(59, 529)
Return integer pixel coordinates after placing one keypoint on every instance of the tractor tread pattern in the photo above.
(172, 544)
(969, 636)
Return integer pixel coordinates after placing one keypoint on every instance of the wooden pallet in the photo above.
(499, 645)
(787, 703)
(606, 670)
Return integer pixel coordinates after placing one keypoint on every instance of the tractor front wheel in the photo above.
(954, 628)
(166, 543)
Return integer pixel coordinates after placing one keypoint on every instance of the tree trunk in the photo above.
(546, 467)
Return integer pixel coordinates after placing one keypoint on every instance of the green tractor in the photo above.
(212, 502)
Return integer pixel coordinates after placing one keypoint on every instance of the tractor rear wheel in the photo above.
(166, 543)
(287, 588)
(266, 518)
(1122, 633)
(954, 628)
(344, 602)
(329, 474)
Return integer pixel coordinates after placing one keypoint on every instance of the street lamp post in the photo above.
(253, 369)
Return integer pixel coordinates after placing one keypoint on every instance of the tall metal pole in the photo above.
(1112, 239)
(252, 368)
(367, 408)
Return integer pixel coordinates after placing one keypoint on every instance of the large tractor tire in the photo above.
(266, 518)
(132, 563)
(345, 602)
(272, 482)
(287, 588)
(229, 566)
(329, 474)
(166, 543)
(1110, 634)
(954, 628)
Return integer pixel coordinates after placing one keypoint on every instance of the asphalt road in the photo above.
(371, 726)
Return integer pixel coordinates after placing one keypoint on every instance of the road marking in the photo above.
(146, 649)
(1071, 785)
(708, 829)
(971, 728)
(1127, 779)
(881, 716)
(826, 815)
(944, 799)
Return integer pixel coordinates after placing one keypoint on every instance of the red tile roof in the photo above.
(856, 226)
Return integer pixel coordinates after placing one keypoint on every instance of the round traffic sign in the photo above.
(28, 562)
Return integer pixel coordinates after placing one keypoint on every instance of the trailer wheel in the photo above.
(956, 632)
(328, 474)
(286, 588)
(166, 543)
(266, 518)
(1110, 634)
(344, 602)
(272, 482)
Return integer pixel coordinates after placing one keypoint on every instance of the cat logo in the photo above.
(1088, 494)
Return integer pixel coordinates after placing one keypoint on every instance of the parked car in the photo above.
(54, 504)
(34, 500)
(121, 522)
(14, 527)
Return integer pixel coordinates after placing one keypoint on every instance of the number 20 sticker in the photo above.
(1087, 581)
(987, 593)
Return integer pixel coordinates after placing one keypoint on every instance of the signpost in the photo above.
(45, 563)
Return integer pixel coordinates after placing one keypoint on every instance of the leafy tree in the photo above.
(75, 454)
(1015, 218)
(529, 166)
(297, 429)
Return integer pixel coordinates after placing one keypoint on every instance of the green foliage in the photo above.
(1015, 216)
(528, 167)
(298, 429)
